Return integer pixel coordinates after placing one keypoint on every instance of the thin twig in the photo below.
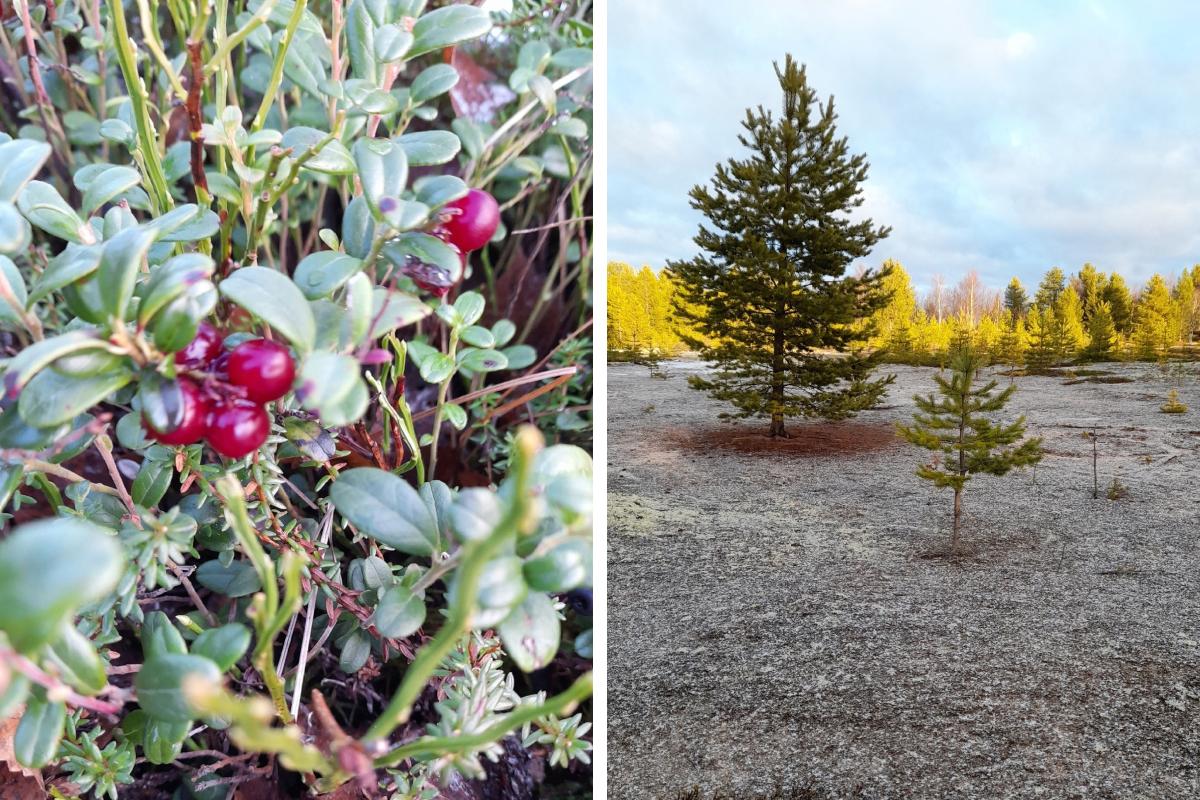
(191, 592)
(558, 224)
(55, 688)
(104, 445)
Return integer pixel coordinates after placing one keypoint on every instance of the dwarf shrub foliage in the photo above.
(294, 301)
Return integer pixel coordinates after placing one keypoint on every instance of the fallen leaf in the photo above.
(16, 782)
(477, 94)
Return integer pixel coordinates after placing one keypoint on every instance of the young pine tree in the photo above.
(967, 442)
(1102, 334)
(1041, 326)
(769, 295)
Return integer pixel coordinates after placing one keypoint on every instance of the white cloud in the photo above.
(1004, 137)
(1019, 44)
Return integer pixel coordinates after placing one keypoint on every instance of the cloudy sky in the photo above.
(1007, 137)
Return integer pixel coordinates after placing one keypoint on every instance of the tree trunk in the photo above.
(962, 470)
(957, 515)
(777, 428)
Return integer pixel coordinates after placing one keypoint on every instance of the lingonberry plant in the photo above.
(294, 472)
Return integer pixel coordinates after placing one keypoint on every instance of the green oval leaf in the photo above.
(433, 81)
(39, 355)
(171, 280)
(438, 190)
(531, 632)
(20, 160)
(77, 662)
(39, 732)
(162, 741)
(160, 681)
(562, 568)
(44, 207)
(276, 300)
(392, 43)
(224, 645)
(358, 227)
(327, 381)
(160, 637)
(16, 283)
(332, 159)
(355, 652)
(383, 170)
(430, 148)
(120, 260)
(427, 249)
(320, 274)
(501, 588)
(48, 570)
(448, 25)
(110, 183)
(385, 508)
(152, 482)
(238, 579)
(72, 264)
(52, 398)
(400, 613)
(392, 310)
(14, 229)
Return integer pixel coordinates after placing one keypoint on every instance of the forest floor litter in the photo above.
(779, 615)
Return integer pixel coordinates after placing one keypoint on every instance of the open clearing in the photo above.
(775, 619)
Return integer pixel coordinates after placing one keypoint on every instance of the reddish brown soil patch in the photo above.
(805, 439)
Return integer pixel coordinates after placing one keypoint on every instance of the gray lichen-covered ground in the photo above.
(778, 615)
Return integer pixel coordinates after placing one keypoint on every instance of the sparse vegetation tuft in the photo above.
(1173, 404)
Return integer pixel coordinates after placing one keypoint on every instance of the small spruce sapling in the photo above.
(955, 426)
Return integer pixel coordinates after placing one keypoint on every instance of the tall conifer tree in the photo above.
(1052, 285)
(769, 292)
(1015, 302)
(1120, 302)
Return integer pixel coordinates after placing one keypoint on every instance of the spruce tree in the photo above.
(1015, 302)
(769, 296)
(965, 440)
(1051, 287)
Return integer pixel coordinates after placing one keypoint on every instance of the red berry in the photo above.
(201, 350)
(474, 218)
(263, 368)
(237, 427)
(192, 420)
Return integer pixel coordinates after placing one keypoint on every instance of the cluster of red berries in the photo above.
(225, 404)
(467, 224)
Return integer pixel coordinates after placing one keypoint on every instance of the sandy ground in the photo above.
(776, 621)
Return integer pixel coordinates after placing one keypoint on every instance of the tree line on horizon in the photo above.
(1085, 316)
